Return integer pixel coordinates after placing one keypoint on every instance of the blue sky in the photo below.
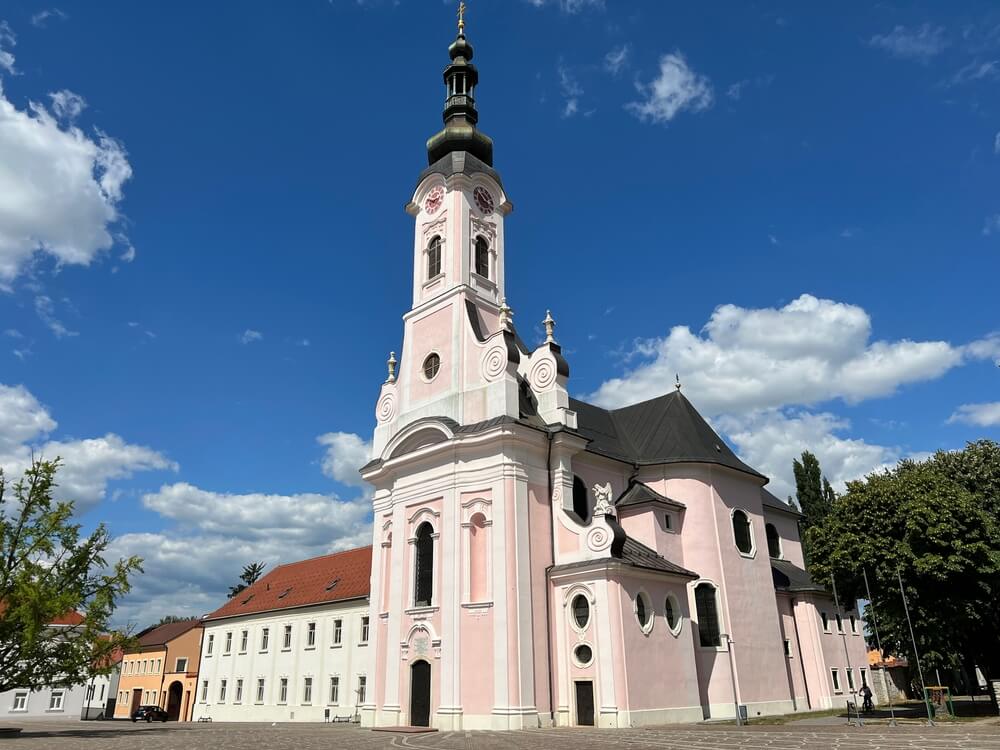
(204, 257)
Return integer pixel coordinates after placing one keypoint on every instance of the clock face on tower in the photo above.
(483, 199)
(434, 199)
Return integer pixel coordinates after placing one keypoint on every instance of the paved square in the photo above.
(127, 736)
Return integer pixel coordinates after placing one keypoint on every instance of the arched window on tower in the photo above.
(423, 573)
(581, 500)
(742, 532)
(773, 540)
(482, 257)
(707, 607)
(477, 558)
(434, 257)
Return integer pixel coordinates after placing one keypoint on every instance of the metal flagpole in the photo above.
(847, 654)
(878, 645)
(916, 654)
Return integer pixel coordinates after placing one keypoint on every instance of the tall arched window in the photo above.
(581, 501)
(477, 558)
(434, 257)
(482, 257)
(773, 540)
(707, 607)
(423, 582)
(741, 532)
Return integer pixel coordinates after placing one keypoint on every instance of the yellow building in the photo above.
(162, 671)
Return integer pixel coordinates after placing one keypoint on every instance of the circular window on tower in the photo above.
(431, 366)
(583, 655)
(581, 612)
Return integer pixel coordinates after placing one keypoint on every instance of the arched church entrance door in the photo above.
(420, 694)
(174, 701)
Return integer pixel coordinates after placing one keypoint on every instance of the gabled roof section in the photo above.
(768, 500)
(638, 554)
(792, 578)
(667, 429)
(163, 634)
(641, 494)
(319, 580)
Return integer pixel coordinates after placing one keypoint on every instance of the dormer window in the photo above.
(482, 257)
(434, 258)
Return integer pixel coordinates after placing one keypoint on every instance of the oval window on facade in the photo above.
(741, 532)
(672, 612)
(643, 612)
(431, 366)
(581, 611)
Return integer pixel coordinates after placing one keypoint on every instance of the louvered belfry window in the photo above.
(424, 573)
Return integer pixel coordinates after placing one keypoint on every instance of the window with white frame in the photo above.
(364, 629)
(90, 693)
(335, 690)
(864, 676)
(788, 647)
(707, 606)
(423, 568)
(835, 674)
(362, 688)
(286, 642)
(644, 611)
(204, 691)
(264, 635)
(434, 257)
(244, 637)
(581, 611)
(260, 689)
(20, 701)
(850, 679)
(229, 643)
(210, 645)
(311, 635)
(307, 690)
(222, 691)
(283, 690)
(742, 532)
(152, 699)
(238, 697)
(482, 259)
(338, 631)
(159, 663)
(672, 613)
(181, 665)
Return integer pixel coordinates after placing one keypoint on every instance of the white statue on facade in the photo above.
(603, 504)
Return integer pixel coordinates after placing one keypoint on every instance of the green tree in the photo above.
(813, 492)
(48, 571)
(248, 577)
(933, 524)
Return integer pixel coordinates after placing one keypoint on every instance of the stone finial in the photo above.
(550, 326)
(677, 381)
(506, 315)
(391, 363)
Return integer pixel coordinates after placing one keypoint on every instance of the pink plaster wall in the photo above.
(793, 664)
(477, 666)
(433, 332)
(788, 529)
(540, 528)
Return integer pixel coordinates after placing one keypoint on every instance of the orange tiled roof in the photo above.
(319, 580)
(70, 618)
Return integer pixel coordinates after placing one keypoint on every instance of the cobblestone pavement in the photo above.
(127, 736)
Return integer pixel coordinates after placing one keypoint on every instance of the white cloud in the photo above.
(571, 90)
(771, 439)
(59, 187)
(676, 88)
(921, 43)
(976, 70)
(7, 39)
(981, 415)
(617, 59)
(88, 465)
(46, 311)
(991, 225)
(807, 352)
(41, 18)
(996, 143)
(249, 336)
(346, 452)
(569, 6)
(66, 105)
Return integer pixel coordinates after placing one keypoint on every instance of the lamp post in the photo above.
(729, 643)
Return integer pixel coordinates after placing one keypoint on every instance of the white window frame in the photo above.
(265, 640)
(238, 692)
(647, 604)
(753, 537)
(824, 620)
(204, 691)
(840, 622)
(210, 644)
(854, 624)
(335, 690)
(223, 684)
(338, 633)
(850, 679)
(835, 677)
(576, 659)
(286, 638)
(21, 695)
(244, 641)
(362, 692)
(788, 647)
(282, 691)
(307, 691)
(261, 684)
(365, 629)
(181, 661)
(229, 643)
(311, 635)
(678, 614)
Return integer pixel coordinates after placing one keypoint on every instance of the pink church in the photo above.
(541, 561)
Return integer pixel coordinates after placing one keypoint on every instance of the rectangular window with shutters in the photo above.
(260, 689)
(335, 690)
(338, 631)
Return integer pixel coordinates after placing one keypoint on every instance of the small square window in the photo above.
(56, 700)
(20, 701)
(181, 664)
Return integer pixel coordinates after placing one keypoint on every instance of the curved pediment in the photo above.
(420, 434)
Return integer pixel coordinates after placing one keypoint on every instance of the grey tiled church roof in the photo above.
(768, 500)
(639, 494)
(638, 554)
(667, 429)
(789, 577)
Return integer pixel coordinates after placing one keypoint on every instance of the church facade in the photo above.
(539, 560)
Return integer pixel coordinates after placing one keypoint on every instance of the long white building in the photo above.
(291, 647)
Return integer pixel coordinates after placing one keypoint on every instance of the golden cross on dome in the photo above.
(461, 17)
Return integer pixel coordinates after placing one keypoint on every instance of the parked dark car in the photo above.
(149, 713)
